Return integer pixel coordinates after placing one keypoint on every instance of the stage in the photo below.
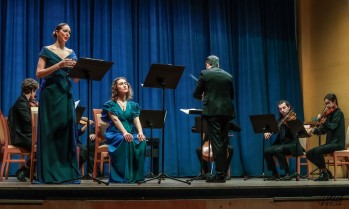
(17, 193)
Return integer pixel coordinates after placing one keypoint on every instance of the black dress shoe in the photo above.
(219, 178)
(330, 175)
(288, 177)
(272, 178)
(323, 177)
(21, 175)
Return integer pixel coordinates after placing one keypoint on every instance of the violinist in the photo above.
(20, 122)
(285, 143)
(330, 122)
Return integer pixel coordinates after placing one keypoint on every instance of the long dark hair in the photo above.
(331, 97)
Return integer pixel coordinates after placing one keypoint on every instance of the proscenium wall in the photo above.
(323, 29)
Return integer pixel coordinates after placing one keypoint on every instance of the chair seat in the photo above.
(105, 146)
(341, 151)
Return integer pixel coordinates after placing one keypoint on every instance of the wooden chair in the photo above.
(341, 157)
(101, 151)
(9, 149)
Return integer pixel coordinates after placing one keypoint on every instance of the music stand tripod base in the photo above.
(264, 124)
(151, 119)
(200, 127)
(297, 128)
(163, 76)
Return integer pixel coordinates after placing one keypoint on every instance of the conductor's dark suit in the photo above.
(215, 89)
(20, 123)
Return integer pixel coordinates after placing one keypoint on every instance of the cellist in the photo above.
(330, 122)
(285, 143)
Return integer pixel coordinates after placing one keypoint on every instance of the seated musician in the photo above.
(20, 121)
(331, 123)
(285, 143)
(203, 157)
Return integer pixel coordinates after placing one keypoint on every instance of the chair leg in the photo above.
(94, 172)
(4, 162)
(335, 166)
(7, 165)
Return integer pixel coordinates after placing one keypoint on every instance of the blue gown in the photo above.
(56, 146)
(127, 159)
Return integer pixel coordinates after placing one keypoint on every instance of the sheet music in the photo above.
(193, 77)
(191, 111)
(76, 103)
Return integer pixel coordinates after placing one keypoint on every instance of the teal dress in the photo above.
(56, 146)
(127, 158)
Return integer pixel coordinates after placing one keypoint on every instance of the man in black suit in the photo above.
(215, 90)
(20, 122)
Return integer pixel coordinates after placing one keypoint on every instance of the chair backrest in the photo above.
(347, 139)
(2, 130)
(5, 132)
(100, 126)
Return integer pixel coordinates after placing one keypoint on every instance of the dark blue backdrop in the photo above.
(255, 40)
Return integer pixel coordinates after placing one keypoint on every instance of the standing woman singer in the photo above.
(56, 154)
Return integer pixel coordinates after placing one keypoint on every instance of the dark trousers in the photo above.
(83, 155)
(204, 164)
(316, 155)
(279, 151)
(218, 127)
(27, 145)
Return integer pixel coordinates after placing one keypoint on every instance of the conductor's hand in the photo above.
(128, 137)
(267, 135)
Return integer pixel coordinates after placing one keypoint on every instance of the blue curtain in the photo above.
(254, 39)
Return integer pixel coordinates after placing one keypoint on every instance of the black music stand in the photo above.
(164, 77)
(297, 129)
(312, 125)
(264, 124)
(151, 119)
(79, 111)
(89, 69)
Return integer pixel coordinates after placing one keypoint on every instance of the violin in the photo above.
(291, 115)
(33, 103)
(324, 115)
(327, 111)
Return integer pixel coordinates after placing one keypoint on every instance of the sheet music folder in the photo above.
(297, 128)
(90, 69)
(163, 76)
(264, 123)
(192, 111)
(79, 111)
(152, 118)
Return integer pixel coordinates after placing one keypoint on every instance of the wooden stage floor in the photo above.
(169, 189)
